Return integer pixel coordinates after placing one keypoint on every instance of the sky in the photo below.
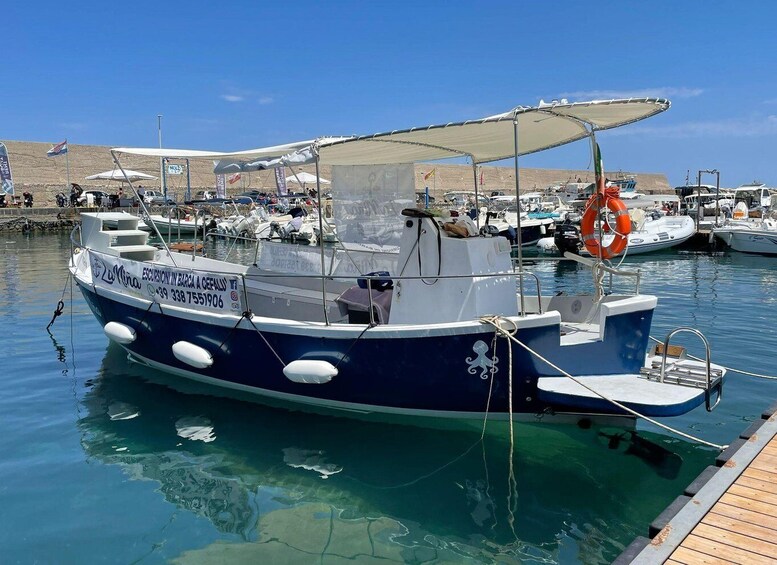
(237, 75)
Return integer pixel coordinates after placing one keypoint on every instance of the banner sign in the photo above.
(174, 169)
(221, 186)
(6, 180)
(280, 181)
(198, 290)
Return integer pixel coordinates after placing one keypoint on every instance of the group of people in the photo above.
(26, 200)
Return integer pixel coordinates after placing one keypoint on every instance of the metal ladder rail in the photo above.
(709, 388)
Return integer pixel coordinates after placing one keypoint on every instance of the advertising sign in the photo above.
(280, 181)
(6, 179)
(199, 290)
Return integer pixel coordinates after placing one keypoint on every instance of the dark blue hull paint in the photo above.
(415, 373)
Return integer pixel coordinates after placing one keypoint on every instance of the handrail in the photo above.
(76, 228)
(708, 388)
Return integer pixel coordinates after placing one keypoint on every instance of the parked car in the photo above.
(420, 198)
(158, 200)
(93, 197)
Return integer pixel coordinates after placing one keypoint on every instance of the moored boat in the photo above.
(757, 236)
(437, 331)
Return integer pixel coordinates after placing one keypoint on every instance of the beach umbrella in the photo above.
(305, 178)
(116, 174)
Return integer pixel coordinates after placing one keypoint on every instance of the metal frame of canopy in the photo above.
(483, 140)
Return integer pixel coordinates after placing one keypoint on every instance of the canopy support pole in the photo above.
(599, 186)
(518, 214)
(477, 198)
(321, 237)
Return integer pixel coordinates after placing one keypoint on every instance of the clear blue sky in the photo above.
(237, 75)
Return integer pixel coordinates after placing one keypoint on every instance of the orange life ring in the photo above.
(622, 225)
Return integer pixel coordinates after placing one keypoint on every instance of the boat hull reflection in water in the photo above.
(302, 484)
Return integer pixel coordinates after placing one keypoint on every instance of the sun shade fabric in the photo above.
(247, 155)
(118, 174)
(491, 139)
(484, 140)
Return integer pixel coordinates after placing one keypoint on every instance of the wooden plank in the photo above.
(758, 531)
(763, 466)
(765, 476)
(757, 484)
(747, 504)
(722, 550)
(742, 514)
(768, 451)
(765, 458)
(735, 539)
(753, 494)
(690, 557)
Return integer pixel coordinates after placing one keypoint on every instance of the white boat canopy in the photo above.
(123, 176)
(483, 140)
(306, 178)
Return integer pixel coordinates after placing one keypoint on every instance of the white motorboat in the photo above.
(749, 236)
(439, 333)
(649, 233)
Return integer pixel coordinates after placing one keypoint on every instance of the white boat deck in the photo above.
(576, 333)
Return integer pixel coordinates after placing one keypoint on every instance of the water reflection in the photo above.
(281, 480)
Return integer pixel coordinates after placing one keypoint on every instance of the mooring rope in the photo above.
(248, 316)
(494, 321)
(748, 373)
(61, 303)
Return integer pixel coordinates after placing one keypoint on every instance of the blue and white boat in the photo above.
(445, 327)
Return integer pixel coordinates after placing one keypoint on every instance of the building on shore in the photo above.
(45, 176)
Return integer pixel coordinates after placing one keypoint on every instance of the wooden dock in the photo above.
(729, 515)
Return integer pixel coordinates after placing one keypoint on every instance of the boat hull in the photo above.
(415, 372)
(760, 242)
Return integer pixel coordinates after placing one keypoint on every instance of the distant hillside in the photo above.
(45, 176)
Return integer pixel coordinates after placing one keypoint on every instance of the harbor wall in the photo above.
(44, 176)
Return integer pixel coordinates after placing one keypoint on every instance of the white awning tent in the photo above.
(483, 140)
(117, 174)
(305, 178)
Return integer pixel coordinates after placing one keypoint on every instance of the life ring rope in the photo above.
(622, 228)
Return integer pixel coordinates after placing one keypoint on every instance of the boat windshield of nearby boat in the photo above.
(756, 196)
(409, 314)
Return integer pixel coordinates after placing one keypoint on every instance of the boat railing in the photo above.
(710, 379)
(371, 280)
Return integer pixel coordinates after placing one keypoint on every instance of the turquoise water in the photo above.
(105, 461)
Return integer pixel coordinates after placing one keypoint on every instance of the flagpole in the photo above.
(67, 165)
(161, 159)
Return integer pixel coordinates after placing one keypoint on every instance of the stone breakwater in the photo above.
(40, 224)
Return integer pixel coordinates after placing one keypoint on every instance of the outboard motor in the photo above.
(567, 238)
(27, 199)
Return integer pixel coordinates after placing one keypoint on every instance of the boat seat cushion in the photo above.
(357, 299)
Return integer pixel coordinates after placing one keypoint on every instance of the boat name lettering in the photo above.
(203, 290)
(114, 273)
(184, 279)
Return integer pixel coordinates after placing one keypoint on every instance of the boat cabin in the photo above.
(756, 196)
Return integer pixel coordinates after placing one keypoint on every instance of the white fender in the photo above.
(310, 371)
(119, 333)
(193, 355)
